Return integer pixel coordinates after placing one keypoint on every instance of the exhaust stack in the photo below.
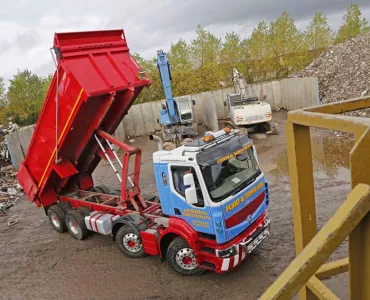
(158, 140)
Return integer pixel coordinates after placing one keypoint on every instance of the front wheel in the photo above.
(129, 242)
(181, 258)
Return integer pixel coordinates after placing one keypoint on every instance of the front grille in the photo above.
(241, 215)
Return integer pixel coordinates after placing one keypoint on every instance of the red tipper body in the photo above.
(98, 82)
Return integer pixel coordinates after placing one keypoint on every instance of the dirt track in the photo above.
(36, 262)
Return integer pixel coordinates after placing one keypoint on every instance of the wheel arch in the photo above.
(135, 221)
(177, 228)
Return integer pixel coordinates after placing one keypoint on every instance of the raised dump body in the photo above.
(96, 82)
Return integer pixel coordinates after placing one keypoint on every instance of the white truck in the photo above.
(248, 113)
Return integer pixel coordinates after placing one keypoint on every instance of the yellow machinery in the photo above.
(352, 219)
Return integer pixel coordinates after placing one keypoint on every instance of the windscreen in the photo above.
(236, 100)
(184, 106)
(185, 110)
(231, 176)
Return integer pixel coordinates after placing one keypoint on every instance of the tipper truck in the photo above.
(211, 208)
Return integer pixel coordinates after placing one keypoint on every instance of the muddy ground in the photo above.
(36, 262)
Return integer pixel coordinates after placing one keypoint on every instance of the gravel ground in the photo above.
(36, 262)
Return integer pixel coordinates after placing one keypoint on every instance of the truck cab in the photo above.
(215, 185)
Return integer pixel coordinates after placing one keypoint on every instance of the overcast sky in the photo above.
(27, 27)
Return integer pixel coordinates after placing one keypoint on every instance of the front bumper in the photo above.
(241, 246)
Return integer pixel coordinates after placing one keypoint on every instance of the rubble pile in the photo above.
(10, 189)
(4, 154)
(343, 72)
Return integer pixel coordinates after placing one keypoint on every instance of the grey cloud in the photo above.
(149, 25)
(185, 15)
(23, 41)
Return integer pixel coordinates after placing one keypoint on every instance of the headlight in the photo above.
(232, 251)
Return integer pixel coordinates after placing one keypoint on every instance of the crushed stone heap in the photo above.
(343, 71)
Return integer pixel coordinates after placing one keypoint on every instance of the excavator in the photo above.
(248, 113)
(176, 117)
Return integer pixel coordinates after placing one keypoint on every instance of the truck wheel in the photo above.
(102, 189)
(181, 258)
(57, 218)
(84, 210)
(129, 242)
(76, 224)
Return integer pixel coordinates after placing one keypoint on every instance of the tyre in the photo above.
(57, 218)
(75, 222)
(129, 242)
(84, 210)
(181, 258)
(102, 189)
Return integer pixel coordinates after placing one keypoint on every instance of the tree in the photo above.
(286, 45)
(205, 48)
(179, 56)
(230, 55)
(255, 51)
(25, 96)
(353, 26)
(2, 101)
(318, 34)
(2, 89)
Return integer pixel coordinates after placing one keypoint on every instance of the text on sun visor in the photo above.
(236, 153)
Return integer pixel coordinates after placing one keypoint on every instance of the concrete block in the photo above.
(210, 114)
(128, 123)
(18, 143)
(148, 117)
(156, 108)
(198, 108)
(276, 93)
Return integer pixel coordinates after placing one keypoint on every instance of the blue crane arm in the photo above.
(165, 74)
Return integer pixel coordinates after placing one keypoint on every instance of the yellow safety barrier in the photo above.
(351, 219)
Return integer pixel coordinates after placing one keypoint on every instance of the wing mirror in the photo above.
(190, 192)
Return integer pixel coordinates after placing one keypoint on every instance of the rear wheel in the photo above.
(129, 242)
(102, 189)
(181, 258)
(57, 218)
(76, 224)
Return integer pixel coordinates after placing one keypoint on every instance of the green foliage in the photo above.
(179, 56)
(353, 26)
(205, 48)
(318, 35)
(25, 97)
(2, 101)
(274, 50)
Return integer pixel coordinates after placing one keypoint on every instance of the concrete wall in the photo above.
(290, 94)
(210, 112)
(18, 143)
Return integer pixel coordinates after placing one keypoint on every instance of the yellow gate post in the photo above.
(312, 249)
(302, 189)
(359, 239)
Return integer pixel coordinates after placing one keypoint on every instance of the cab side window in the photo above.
(178, 173)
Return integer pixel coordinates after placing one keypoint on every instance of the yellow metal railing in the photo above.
(351, 219)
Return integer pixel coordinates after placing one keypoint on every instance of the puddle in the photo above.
(330, 156)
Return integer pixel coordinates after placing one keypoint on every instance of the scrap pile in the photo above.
(10, 190)
(343, 71)
(4, 154)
